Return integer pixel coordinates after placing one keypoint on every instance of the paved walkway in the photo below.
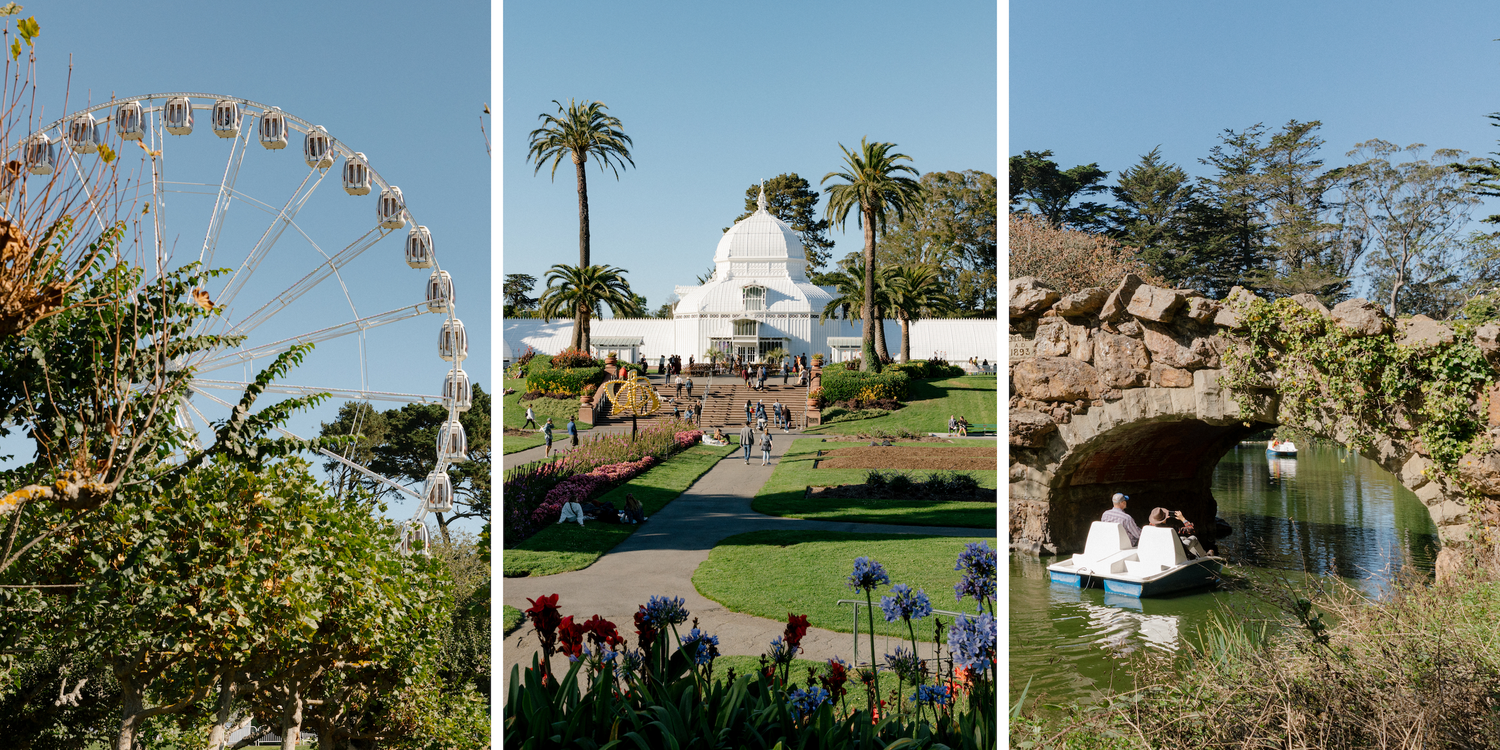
(661, 556)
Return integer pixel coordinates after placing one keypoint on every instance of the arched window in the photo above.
(755, 298)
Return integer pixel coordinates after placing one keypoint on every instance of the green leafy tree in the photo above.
(1312, 255)
(1413, 212)
(1040, 184)
(873, 182)
(577, 132)
(516, 293)
(1155, 202)
(791, 198)
(849, 297)
(665, 311)
(587, 289)
(955, 230)
(398, 444)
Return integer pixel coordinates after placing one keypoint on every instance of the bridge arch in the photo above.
(1123, 391)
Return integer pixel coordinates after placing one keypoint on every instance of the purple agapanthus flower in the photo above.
(701, 647)
(662, 612)
(782, 652)
(905, 604)
(972, 641)
(931, 695)
(867, 574)
(803, 702)
(906, 664)
(978, 562)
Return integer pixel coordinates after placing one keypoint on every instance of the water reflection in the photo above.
(1325, 512)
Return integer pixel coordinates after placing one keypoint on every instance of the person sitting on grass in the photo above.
(634, 511)
(571, 511)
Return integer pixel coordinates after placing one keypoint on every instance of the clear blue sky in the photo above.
(402, 83)
(1106, 82)
(718, 96)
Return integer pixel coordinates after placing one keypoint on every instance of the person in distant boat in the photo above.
(1118, 515)
(1186, 533)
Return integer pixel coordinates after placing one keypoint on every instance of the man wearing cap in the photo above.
(1118, 515)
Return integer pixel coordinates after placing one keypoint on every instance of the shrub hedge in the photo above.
(573, 381)
(846, 385)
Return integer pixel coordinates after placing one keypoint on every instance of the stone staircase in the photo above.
(725, 405)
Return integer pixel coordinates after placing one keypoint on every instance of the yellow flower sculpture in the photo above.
(632, 397)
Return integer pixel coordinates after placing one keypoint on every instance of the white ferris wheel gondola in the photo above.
(39, 155)
(440, 292)
(273, 129)
(357, 175)
(83, 134)
(130, 121)
(226, 118)
(457, 395)
(437, 492)
(413, 535)
(453, 342)
(452, 443)
(419, 247)
(317, 148)
(391, 209)
(177, 116)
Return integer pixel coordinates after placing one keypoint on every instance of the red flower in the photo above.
(647, 635)
(570, 636)
(602, 632)
(544, 614)
(834, 681)
(796, 627)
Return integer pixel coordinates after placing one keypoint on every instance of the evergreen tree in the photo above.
(1156, 201)
(792, 199)
(1037, 181)
(954, 230)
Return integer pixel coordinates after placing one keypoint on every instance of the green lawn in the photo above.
(560, 548)
(771, 573)
(784, 493)
(513, 618)
(929, 405)
(518, 443)
(513, 412)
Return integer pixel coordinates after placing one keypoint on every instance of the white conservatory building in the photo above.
(758, 300)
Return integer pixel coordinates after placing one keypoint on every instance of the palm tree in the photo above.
(871, 182)
(849, 291)
(913, 291)
(578, 131)
(585, 290)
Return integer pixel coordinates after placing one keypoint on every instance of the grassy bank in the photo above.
(1419, 668)
(770, 573)
(513, 618)
(928, 406)
(562, 547)
(513, 410)
(784, 494)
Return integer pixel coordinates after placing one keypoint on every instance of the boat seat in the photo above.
(1106, 539)
(1160, 548)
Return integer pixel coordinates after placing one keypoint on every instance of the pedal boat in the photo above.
(1287, 448)
(1158, 566)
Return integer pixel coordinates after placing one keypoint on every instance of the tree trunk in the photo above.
(905, 339)
(291, 720)
(217, 735)
(870, 360)
(580, 324)
(130, 715)
(880, 346)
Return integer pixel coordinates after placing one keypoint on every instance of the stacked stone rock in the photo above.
(1102, 365)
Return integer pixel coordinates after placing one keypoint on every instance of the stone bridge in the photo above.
(1120, 391)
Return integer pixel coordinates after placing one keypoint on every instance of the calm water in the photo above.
(1326, 512)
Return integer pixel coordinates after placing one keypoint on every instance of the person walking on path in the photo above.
(747, 439)
(679, 387)
(530, 418)
(765, 448)
(745, 373)
(547, 435)
(776, 413)
(572, 432)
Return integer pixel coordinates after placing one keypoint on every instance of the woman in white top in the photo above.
(571, 511)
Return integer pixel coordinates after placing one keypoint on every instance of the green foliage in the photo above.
(1359, 389)
(846, 385)
(954, 229)
(1038, 182)
(928, 368)
(574, 381)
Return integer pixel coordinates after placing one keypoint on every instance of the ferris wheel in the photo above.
(285, 284)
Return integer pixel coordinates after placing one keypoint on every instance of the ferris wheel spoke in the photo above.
(323, 334)
(310, 281)
(268, 238)
(225, 192)
(308, 390)
(88, 195)
(330, 454)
